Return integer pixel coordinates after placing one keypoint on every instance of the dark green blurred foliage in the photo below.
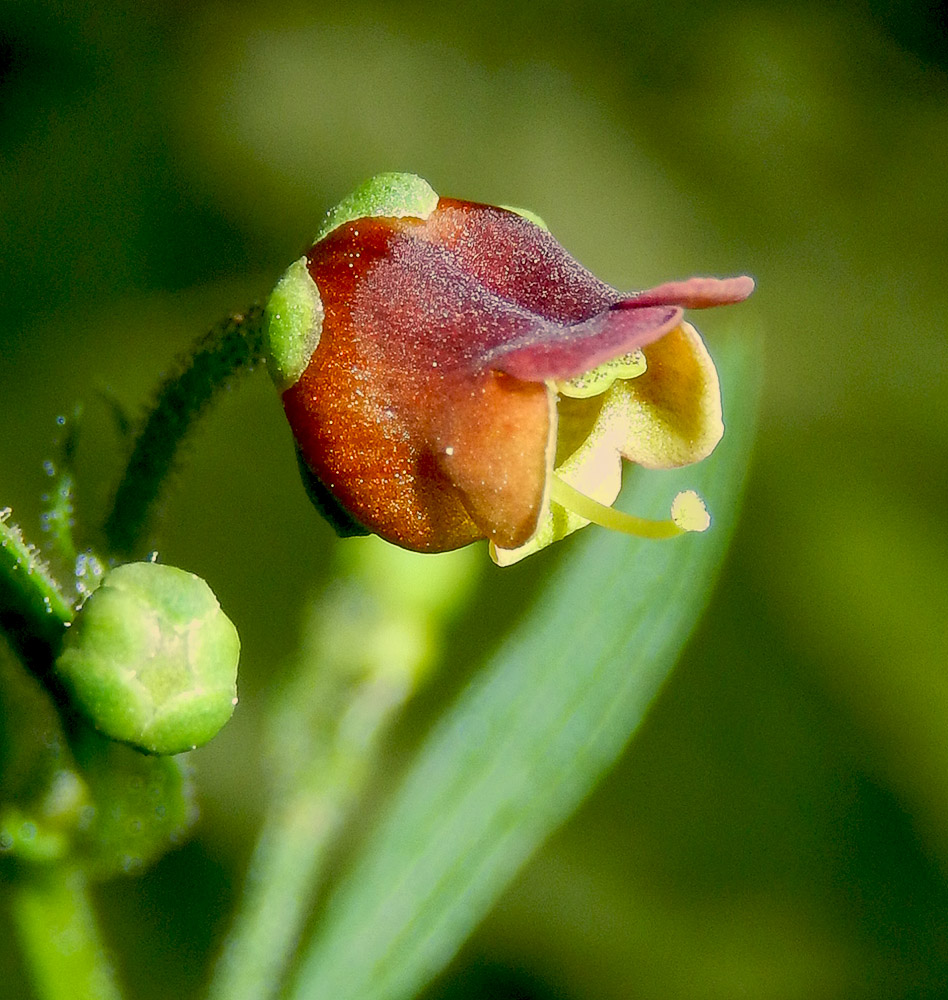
(779, 827)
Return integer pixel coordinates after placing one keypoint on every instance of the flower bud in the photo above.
(151, 659)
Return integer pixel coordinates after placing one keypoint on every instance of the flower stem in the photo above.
(372, 638)
(288, 864)
(59, 937)
(235, 344)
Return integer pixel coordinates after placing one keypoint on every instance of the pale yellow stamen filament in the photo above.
(688, 513)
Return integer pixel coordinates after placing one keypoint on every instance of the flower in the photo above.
(451, 373)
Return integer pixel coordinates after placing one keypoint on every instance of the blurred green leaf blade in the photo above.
(534, 732)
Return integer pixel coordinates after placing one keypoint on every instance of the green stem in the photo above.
(371, 643)
(233, 345)
(288, 866)
(60, 940)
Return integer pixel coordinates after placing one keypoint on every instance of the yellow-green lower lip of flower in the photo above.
(662, 412)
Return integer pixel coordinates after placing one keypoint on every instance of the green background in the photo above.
(779, 828)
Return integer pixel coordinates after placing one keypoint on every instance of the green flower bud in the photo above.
(152, 660)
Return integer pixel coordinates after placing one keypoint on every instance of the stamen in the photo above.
(688, 513)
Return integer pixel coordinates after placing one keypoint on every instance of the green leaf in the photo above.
(31, 603)
(533, 733)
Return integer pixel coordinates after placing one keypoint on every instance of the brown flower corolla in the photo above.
(451, 373)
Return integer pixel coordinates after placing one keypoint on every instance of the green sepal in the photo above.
(526, 213)
(294, 311)
(389, 195)
(143, 805)
(293, 322)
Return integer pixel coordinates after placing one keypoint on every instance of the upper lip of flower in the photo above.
(429, 406)
(566, 352)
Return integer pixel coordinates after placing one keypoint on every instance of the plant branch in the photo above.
(234, 345)
(372, 640)
(59, 936)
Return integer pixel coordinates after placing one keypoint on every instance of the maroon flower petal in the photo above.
(493, 439)
(495, 310)
(397, 414)
(517, 260)
(695, 293)
(562, 352)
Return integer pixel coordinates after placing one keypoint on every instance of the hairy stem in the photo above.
(234, 345)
